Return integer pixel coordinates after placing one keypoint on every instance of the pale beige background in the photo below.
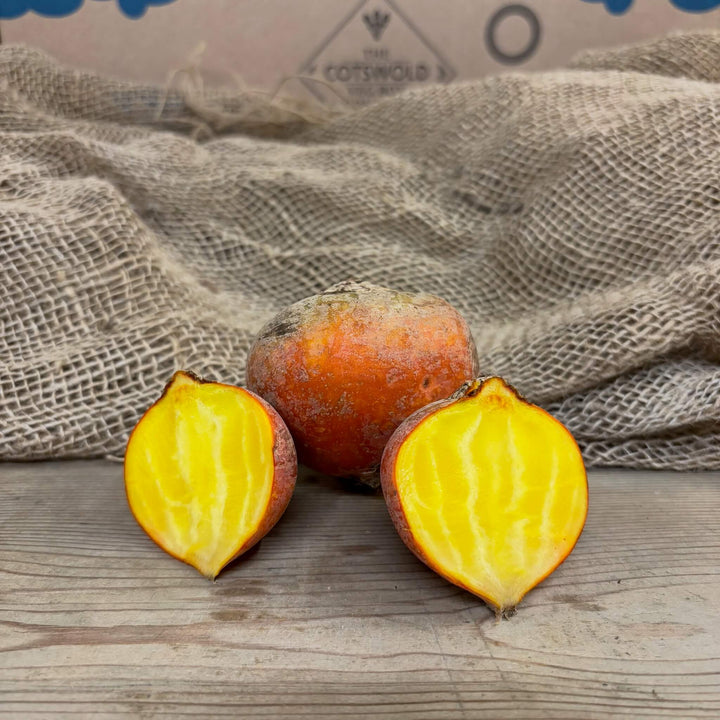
(264, 40)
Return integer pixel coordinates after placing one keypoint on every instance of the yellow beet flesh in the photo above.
(493, 491)
(199, 471)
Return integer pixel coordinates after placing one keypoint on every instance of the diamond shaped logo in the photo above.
(375, 51)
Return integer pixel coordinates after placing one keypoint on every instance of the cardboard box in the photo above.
(361, 49)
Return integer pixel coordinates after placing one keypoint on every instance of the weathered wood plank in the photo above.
(333, 617)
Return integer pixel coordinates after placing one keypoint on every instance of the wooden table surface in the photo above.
(333, 617)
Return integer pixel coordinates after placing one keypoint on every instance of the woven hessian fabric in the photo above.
(572, 216)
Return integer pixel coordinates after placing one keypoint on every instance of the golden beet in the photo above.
(346, 367)
(487, 490)
(209, 469)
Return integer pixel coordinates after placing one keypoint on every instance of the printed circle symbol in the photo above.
(491, 29)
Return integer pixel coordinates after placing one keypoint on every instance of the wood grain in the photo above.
(333, 618)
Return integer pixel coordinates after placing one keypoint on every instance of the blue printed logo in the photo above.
(618, 7)
(10, 9)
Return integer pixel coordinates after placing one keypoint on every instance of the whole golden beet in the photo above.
(344, 368)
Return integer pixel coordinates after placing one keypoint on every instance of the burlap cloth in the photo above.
(572, 216)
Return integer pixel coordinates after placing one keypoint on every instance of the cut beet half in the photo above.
(209, 469)
(487, 489)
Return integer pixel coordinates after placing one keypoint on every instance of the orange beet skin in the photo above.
(344, 368)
